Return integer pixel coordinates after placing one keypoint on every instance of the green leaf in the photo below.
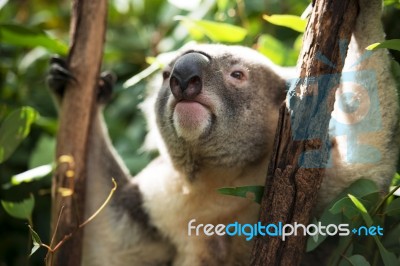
(153, 68)
(326, 218)
(344, 247)
(29, 176)
(344, 206)
(392, 238)
(372, 200)
(47, 124)
(361, 208)
(388, 258)
(216, 31)
(390, 2)
(394, 208)
(360, 188)
(14, 129)
(396, 180)
(276, 51)
(44, 151)
(363, 188)
(27, 37)
(358, 260)
(397, 192)
(253, 193)
(222, 5)
(20, 210)
(393, 44)
(37, 242)
(290, 21)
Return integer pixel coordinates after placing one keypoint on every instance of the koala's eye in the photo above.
(237, 75)
(166, 74)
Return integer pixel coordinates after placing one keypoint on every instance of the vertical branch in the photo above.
(87, 38)
(301, 152)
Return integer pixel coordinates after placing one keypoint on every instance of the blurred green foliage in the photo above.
(32, 30)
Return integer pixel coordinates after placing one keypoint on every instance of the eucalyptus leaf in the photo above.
(14, 129)
(390, 2)
(276, 51)
(43, 153)
(396, 180)
(326, 218)
(20, 210)
(361, 208)
(360, 188)
(393, 44)
(392, 237)
(394, 208)
(222, 5)
(358, 260)
(388, 258)
(272, 48)
(29, 176)
(37, 242)
(28, 37)
(344, 206)
(397, 190)
(216, 31)
(290, 21)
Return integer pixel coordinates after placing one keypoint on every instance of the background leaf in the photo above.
(388, 257)
(290, 21)
(393, 209)
(216, 31)
(358, 260)
(27, 37)
(389, 44)
(14, 129)
(37, 242)
(29, 176)
(20, 210)
(276, 51)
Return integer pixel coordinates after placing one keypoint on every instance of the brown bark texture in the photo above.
(87, 33)
(300, 151)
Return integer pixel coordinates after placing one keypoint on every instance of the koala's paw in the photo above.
(59, 76)
(105, 86)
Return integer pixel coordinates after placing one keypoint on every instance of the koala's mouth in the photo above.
(191, 119)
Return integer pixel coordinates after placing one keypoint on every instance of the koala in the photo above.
(216, 113)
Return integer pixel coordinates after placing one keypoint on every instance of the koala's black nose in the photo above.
(187, 76)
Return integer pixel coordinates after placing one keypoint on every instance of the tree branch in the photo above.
(87, 37)
(300, 150)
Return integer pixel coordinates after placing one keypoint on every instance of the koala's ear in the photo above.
(278, 91)
(285, 74)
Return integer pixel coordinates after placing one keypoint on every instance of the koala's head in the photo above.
(218, 106)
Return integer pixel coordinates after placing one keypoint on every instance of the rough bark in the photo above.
(300, 152)
(87, 38)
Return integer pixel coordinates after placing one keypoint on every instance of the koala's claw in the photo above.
(59, 76)
(106, 85)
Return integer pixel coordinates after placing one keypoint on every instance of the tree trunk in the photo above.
(300, 150)
(87, 38)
